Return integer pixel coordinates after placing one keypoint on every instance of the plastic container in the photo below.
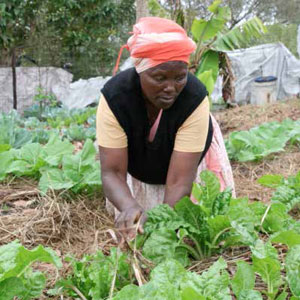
(264, 90)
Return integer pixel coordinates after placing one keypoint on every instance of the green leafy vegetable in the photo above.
(94, 274)
(16, 276)
(261, 141)
(199, 230)
(169, 280)
(243, 280)
(266, 264)
(293, 270)
(287, 190)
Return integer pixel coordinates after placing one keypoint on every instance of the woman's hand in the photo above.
(130, 222)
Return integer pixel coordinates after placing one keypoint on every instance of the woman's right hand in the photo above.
(130, 222)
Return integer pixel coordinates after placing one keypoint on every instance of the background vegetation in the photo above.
(84, 36)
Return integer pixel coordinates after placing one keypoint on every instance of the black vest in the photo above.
(149, 162)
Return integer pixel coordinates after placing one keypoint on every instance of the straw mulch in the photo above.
(57, 221)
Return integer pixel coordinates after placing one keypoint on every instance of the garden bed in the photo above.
(79, 224)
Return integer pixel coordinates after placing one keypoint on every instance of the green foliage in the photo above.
(240, 36)
(213, 36)
(94, 275)
(266, 264)
(293, 270)
(217, 221)
(287, 237)
(85, 34)
(243, 281)
(16, 21)
(10, 134)
(54, 165)
(262, 140)
(90, 32)
(287, 190)
(170, 281)
(284, 33)
(79, 133)
(16, 276)
(156, 9)
(78, 172)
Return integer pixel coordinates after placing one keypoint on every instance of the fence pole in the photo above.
(14, 77)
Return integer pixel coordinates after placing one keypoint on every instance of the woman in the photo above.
(153, 124)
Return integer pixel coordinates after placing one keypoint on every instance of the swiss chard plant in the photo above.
(54, 165)
(170, 281)
(287, 190)
(260, 141)
(199, 230)
(95, 276)
(17, 278)
(267, 265)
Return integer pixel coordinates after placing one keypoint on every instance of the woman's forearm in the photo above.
(173, 193)
(117, 191)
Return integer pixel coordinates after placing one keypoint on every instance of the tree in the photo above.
(213, 37)
(90, 32)
(17, 22)
(141, 9)
(270, 11)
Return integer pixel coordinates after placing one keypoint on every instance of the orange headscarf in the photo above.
(155, 41)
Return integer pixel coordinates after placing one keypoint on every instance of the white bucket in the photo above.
(263, 93)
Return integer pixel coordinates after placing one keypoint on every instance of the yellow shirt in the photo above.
(190, 137)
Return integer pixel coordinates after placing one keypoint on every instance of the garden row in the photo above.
(175, 239)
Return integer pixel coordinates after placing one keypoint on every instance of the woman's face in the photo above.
(162, 84)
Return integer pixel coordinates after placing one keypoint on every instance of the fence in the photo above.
(29, 79)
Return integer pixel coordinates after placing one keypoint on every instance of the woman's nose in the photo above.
(170, 86)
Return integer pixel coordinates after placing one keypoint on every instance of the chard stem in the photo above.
(213, 244)
(191, 250)
(197, 247)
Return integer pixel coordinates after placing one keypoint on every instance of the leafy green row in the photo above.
(263, 140)
(190, 232)
(96, 277)
(169, 280)
(54, 164)
(58, 117)
(219, 221)
(16, 132)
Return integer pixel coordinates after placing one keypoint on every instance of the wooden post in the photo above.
(14, 77)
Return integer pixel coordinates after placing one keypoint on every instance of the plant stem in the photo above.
(191, 250)
(197, 246)
(77, 291)
(213, 244)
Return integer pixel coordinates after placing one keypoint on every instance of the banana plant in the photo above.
(213, 37)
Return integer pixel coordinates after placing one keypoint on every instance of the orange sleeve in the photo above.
(110, 134)
(191, 136)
